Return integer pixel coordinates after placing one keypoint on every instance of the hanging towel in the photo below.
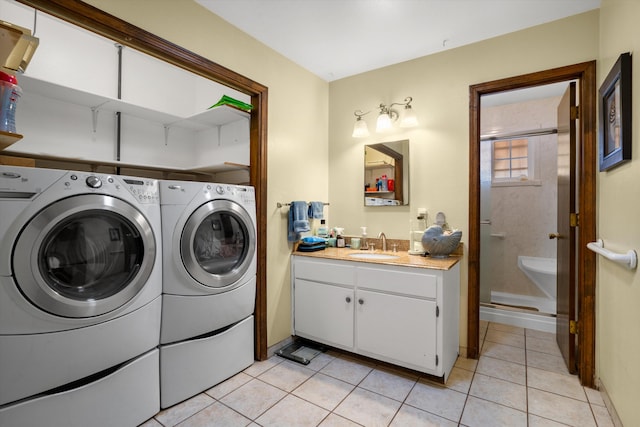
(316, 210)
(298, 220)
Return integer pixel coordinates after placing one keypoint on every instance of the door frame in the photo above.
(587, 153)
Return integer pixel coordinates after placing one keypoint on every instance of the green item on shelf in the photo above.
(227, 100)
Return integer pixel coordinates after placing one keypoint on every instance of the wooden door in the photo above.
(566, 240)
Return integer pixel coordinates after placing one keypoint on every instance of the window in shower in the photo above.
(510, 159)
(513, 162)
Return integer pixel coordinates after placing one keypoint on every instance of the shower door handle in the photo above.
(485, 222)
(554, 236)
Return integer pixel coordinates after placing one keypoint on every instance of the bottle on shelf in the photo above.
(9, 94)
(384, 185)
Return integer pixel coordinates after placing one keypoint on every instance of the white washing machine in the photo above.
(80, 297)
(209, 285)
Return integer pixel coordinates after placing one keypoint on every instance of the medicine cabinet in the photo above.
(386, 174)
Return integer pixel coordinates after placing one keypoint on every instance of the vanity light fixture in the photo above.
(360, 129)
(386, 117)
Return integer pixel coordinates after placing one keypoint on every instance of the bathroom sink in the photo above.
(367, 255)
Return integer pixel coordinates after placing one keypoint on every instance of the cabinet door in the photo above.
(397, 328)
(324, 313)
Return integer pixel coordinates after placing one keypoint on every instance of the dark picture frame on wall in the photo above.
(615, 115)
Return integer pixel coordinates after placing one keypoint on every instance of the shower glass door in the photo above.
(518, 200)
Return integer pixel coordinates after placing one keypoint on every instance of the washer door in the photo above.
(84, 256)
(217, 244)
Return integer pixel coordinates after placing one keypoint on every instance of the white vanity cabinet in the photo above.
(325, 313)
(407, 316)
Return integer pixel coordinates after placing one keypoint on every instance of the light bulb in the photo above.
(360, 129)
(384, 122)
(409, 118)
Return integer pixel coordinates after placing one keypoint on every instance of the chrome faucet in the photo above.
(384, 241)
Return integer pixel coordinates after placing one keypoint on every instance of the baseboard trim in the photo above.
(271, 351)
(617, 422)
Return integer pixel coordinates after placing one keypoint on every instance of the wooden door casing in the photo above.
(585, 74)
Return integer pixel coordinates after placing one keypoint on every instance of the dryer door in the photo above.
(218, 243)
(84, 256)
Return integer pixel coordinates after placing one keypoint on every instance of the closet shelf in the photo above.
(199, 170)
(204, 120)
(8, 138)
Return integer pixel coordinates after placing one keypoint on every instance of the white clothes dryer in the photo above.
(209, 257)
(209, 285)
(80, 280)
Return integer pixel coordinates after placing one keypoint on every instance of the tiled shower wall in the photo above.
(525, 214)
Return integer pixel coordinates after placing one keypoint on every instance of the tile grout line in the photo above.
(475, 370)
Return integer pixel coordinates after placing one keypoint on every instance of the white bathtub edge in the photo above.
(520, 319)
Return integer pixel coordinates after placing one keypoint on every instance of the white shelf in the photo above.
(207, 119)
(209, 169)
(8, 138)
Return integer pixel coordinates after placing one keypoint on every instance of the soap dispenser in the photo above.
(416, 230)
(323, 230)
(363, 238)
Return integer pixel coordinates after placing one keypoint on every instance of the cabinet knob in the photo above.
(360, 301)
(348, 299)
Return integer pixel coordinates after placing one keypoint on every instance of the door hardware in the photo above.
(574, 220)
(574, 327)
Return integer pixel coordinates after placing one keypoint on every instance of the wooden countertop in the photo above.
(404, 259)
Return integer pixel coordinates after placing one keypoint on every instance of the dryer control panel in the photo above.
(245, 194)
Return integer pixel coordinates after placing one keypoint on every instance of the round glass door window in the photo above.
(84, 256)
(218, 243)
(91, 255)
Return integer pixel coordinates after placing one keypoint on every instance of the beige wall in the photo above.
(618, 292)
(439, 85)
(297, 128)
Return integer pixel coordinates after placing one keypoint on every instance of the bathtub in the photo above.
(542, 272)
(533, 312)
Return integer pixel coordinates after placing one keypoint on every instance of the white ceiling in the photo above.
(339, 38)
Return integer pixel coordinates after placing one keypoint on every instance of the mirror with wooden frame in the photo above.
(386, 174)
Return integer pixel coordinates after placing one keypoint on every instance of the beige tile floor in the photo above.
(519, 380)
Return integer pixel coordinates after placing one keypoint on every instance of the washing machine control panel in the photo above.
(143, 189)
(93, 181)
